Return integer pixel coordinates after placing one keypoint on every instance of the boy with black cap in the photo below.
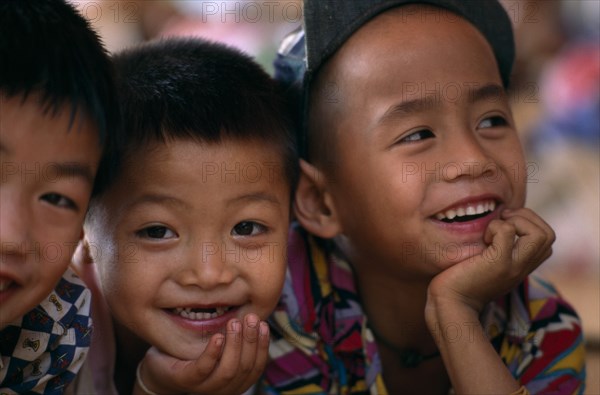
(408, 272)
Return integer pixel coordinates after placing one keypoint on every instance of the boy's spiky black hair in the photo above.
(48, 48)
(204, 91)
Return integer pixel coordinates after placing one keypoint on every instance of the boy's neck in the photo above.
(395, 309)
(395, 312)
(394, 305)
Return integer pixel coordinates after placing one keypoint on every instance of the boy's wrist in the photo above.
(442, 299)
(443, 313)
(143, 385)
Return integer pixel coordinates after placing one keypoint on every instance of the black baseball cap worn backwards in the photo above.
(329, 23)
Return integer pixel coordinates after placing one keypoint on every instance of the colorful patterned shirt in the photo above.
(42, 351)
(321, 342)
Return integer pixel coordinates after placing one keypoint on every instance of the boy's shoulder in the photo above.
(535, 301)
(538, 335)
(51, 340)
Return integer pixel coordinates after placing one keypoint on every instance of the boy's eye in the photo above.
(492, 122)
(59, 200)
(248, 228)
(156, 232)
(417, 136)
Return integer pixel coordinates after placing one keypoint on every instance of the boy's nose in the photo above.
(208, 267)
(467, 158)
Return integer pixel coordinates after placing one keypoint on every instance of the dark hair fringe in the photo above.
(48, 48)
(195, 89)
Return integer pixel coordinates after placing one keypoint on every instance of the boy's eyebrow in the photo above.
(73, 169)
(491, 92)
(255, 197)
(408, 107)
(63, 170)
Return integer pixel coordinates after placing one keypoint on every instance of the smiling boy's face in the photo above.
(48, 167)
(190, 236)
(423, 133)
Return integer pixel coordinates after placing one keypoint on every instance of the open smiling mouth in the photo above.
(5, 284)
(8, 285)
(200, 313)
(468, 212)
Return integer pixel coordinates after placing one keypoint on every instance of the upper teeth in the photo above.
(187, 312)
(4, 284)
(469, 209)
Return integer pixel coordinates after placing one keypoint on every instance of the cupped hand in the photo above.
(230, 364)
(516, 245)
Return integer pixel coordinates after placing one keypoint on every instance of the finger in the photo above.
(227, 366)
(262, 352)
(260, 360)
(207, 362)
(546, 255)
(529, 215)
(249, 344)
(500, 235)
(264, 340)
(532, 244)
(533, 217)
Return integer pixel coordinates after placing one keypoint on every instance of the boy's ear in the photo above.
(82, 255)
(313, 204)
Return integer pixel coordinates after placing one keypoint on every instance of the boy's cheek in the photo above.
(519, 194)
(36, 291)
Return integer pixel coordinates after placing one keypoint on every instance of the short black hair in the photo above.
(190, 88)
(48, 48)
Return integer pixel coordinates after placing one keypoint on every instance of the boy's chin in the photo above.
(189, 352)
(19, 300)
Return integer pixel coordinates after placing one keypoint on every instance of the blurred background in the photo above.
(556, 104)
(256, 27)
(555, 96)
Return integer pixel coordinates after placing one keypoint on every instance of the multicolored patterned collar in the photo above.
(43, 350)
